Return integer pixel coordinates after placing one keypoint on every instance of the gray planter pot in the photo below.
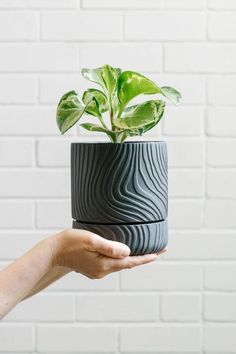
(119, 191)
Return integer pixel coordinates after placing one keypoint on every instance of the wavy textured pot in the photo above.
(120, 191)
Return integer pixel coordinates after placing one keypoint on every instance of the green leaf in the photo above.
(172, 94)
(141, 115)
(69, 110)
(93, 75)
(110, 76)
(132, 84)
(103, 76)
(95, 101)
(98, 128)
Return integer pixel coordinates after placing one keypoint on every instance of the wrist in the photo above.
(57, 246)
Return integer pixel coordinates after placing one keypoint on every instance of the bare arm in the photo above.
(70, 250)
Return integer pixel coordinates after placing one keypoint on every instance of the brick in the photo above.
(218, 4)
(184, 4)
(23, 239)
(182, 83)
(39, 57)
(76, 338)
(219, 338)
(35, 183)
(17, 89)
(16, 338)
(185, 183)
(16, 214)
(220, 213)
(183, 339)
(53, 214)
(185, 214)
(180, 308)
(122, 307)
(220, 307)
(80, 26)
(185, 153)
(44, 307)
(162, 277)
(38, 4)
(52, 87)
(28, 121)
(78, 282)
(154, 26)
(220, 277)
(54, 152)
(122, 4)
(182, 121)
(18, 26)
(226, 95)
(220, 183)
(16, 152)
(214, 121)
(183, 245)
(219, 153)
(222, 26)
(199, 58)
(127, 56)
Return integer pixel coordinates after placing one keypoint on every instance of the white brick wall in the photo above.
(185, 302)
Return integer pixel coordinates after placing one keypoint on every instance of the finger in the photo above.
(112, 249)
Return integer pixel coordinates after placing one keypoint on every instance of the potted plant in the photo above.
(119, 189)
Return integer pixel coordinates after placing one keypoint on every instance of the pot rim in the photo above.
(125, 142)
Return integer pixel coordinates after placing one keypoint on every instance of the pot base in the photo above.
(141, 238)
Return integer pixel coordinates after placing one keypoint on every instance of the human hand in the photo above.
(92, 255)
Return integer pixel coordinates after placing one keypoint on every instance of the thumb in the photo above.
(110, 248)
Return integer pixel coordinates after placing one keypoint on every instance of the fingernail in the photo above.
(125, 250)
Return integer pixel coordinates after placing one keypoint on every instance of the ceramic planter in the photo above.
(119, 191)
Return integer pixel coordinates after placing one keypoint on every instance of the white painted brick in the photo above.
(18, 26)
(24, 240)
(218, 338)
(185, 153)
(224, 96)
(154, 26)
(78, 282)
(122, 4)
(183, 83)
(220, 307)
(128, 56)
(184, 4)
(185, 183)
(220, 153)
(222, 26)
(220, 213)
(38, 4)
(44, 307)
(216, 116)
(17, 89)
(80, 26)
(185, 214)
(177, 308)
(219, 4)
(220, 277)
(16, 214)
(39, 57)
(116, 307)
(182, 121)
(16, 152)
(196, 58)
(53, 214)
(221, 183)
(35, 183)
(156, 338)
(54, 152)
(17, 338)
(162, 277)
(51, 88)
(76, 338)
(28, 121)
(198, 245)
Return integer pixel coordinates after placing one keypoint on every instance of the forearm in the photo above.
(17, 280)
